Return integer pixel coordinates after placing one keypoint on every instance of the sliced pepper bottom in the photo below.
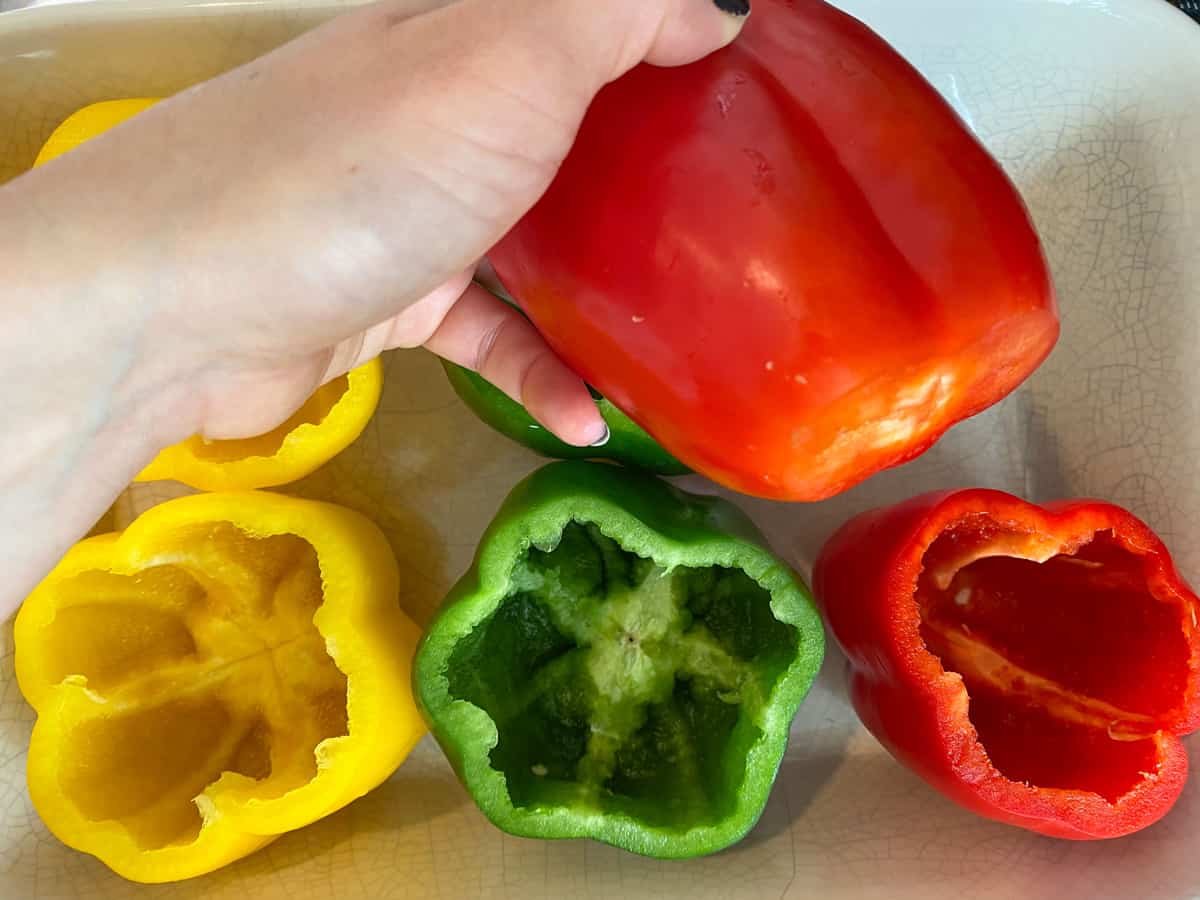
(199, 675)
(1072, 666)
(621, 689)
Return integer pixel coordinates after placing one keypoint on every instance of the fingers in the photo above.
(605, 40)
(681, 30)
(319, 191)
(419, 322)
(486, 335)
(454, 121)
(465, 324)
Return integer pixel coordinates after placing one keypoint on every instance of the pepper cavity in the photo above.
(615, 682)
(229, 668)
(1036, 664)
(1072, 665)
(190, 688)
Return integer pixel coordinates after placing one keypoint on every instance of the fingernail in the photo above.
(603, 440)
(735, 12)
(739, 8)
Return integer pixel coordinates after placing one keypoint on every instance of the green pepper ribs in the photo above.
(622, 662)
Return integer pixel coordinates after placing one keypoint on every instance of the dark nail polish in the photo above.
(734, 7)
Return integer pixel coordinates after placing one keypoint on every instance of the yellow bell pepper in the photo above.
(88, 122)
(229, 668)
(329, 421)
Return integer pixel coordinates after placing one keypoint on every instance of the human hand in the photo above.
(205, 266)
(332, 199)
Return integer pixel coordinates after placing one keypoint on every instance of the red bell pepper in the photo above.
(791, 263)
(1036, 665)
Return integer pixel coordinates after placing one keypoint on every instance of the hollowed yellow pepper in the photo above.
(229, 668)
(329, 422)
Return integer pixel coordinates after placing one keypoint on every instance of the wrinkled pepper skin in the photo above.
(328, 422)
(627, 443)
(790, 263)
(622, 662)
(229, 668)
(1034, 664)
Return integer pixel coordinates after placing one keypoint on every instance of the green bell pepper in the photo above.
(627, 442)
(622, 662)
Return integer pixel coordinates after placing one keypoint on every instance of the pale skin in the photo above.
(207, 265)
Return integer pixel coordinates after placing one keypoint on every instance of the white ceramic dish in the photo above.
(1093, 107)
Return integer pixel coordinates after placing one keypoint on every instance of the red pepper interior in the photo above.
(1072, 665)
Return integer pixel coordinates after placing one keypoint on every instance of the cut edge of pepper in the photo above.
(367, 617)
(1040, 547)
(501, 549)
(301, 450)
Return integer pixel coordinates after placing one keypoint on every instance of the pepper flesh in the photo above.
(229, 668)
(84, 124)
(790, 263)
(1036, 665)
(328, 422)
(622, 662)
(627, 443)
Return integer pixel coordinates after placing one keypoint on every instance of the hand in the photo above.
(204, 267)
(332, 199)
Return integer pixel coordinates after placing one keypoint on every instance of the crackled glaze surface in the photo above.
(1092, 106)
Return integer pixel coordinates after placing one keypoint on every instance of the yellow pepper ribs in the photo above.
(329, 421)
(229, 668)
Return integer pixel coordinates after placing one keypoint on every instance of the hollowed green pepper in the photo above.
(621, 662)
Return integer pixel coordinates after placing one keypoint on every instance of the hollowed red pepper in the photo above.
(791, 263)
(1036, 665)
